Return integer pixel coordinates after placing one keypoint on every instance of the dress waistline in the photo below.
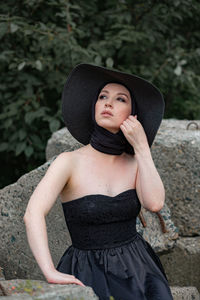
(107, 245)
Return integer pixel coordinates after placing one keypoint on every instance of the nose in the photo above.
(108, 103)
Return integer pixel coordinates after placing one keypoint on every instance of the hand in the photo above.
(134, 133)
(62, 278)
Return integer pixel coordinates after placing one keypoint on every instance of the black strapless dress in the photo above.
(107, 253)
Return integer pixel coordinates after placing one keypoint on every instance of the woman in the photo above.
(102, 187)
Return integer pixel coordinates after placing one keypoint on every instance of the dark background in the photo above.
(41, 41)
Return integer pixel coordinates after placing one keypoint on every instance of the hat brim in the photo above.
(81, 88)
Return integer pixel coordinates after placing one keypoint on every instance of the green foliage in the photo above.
(41, 41)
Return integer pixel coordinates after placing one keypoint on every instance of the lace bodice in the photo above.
(101, 221)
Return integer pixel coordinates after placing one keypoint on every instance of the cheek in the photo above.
(126, 113)
(97, 107)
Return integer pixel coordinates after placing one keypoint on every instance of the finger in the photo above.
(130, 121)
(127, 126)
(74, 278)
(122, 127)
(132, 118)
(76, 281)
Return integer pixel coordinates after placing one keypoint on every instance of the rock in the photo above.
(176, 153)
(40, 290)
(161, 242)
(34, 289)
(1, 274)
(61, 141)
(17, 297)
(185, 293)
(15, 255)
(182, 263)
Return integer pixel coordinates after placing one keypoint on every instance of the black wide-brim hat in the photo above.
(81, 88)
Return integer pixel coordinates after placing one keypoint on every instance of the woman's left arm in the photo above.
(149, 185)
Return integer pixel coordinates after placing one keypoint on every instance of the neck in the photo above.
(104, 156)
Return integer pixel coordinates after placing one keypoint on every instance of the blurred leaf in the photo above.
(3, 29)
(21, 66)
(35, 138)
(97, 60)
(20, 147)
(109, 62)
(3, 146)
(178, 70)
(28, 151)
(54, 125)
(29, 117)
(8, 123)
(22, 134)
(13, 27)
(38, 65)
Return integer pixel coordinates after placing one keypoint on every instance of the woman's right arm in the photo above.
(39, 205)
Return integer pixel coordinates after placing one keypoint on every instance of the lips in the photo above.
(107, 112)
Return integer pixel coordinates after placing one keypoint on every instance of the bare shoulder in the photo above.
(63, 157)
(51, 185)
(61, 167)
(68, 160)
(61, 162)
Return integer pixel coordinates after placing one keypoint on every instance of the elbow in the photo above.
(29, 216)
(32, 216)
(156, 207)
(25, 217)
(158, 202)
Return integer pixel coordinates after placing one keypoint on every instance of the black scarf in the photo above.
(107, 142)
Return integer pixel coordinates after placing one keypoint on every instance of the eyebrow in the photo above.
(105, 91)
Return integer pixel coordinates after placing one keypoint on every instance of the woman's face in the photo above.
(113, 106)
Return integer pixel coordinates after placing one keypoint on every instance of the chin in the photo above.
(104, 123)
(113, 130)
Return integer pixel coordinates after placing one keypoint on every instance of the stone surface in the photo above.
(185, 293)
(153, 233)
(2, 277)
(15, 255)
(34, 289)
(182, 263)
(176, 152)
(40, 290)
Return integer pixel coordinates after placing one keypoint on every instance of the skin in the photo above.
(116, 99)
(87, 171)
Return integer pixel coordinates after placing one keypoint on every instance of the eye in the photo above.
(121, 99)
(102, 96)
